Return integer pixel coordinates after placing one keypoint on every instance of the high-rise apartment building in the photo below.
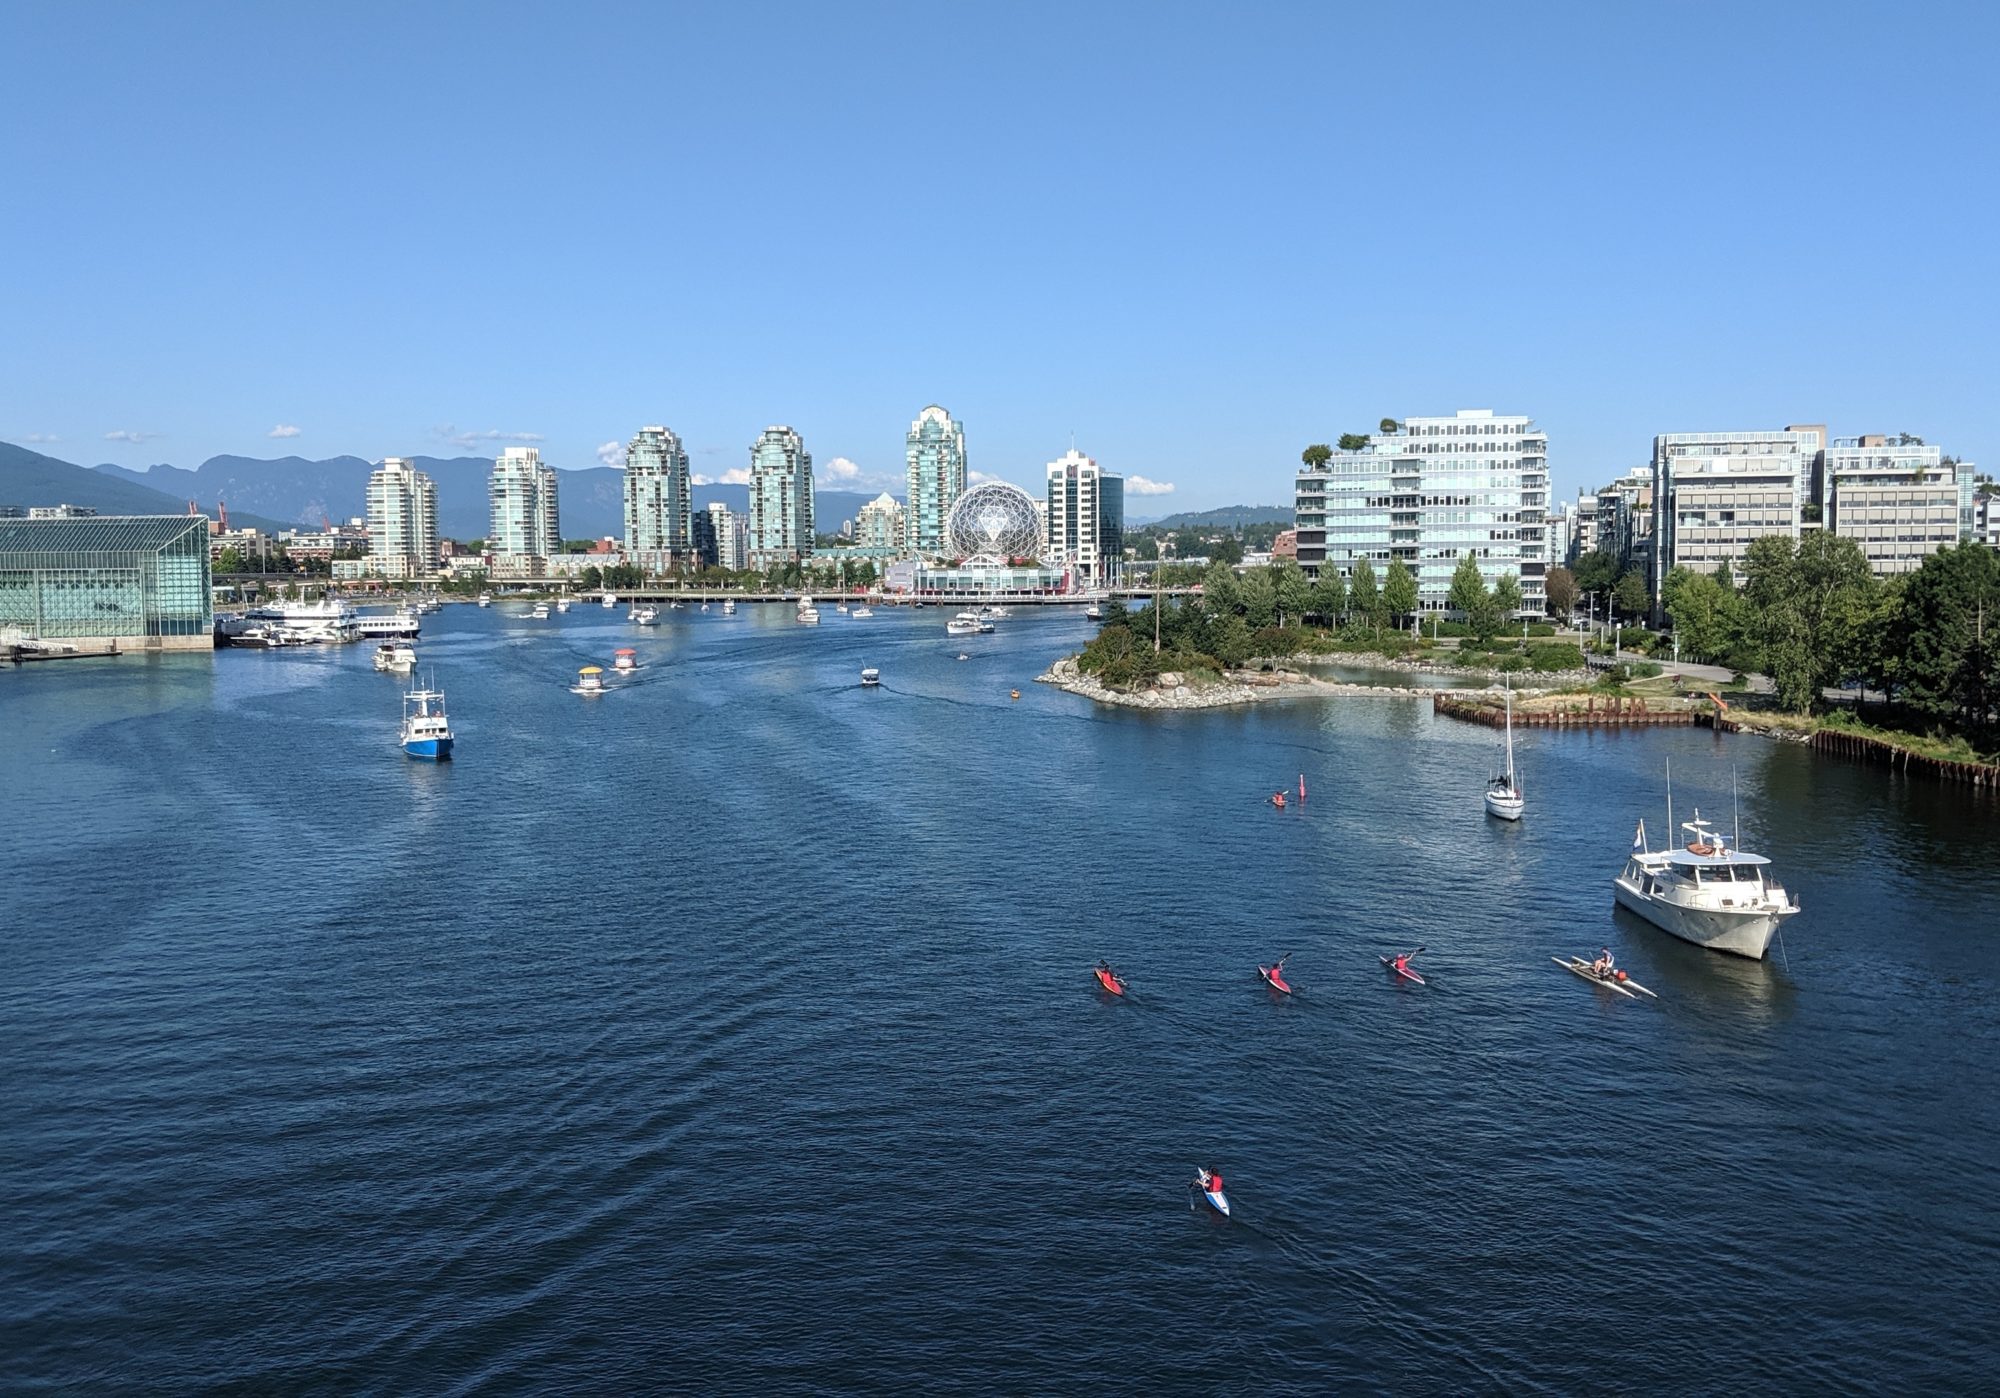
(659, 508)
(526, 526)
(731, 532)
(1716, 493)
(935, 456)
(1086, 520)
(1429, 493)
(1896, 497)
(781, 499)
(880, 524)
(402, 521)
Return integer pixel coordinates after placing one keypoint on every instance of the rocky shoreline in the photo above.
(1172, 690)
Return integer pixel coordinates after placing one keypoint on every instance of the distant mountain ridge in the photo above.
(1227, 517)
(29, 478)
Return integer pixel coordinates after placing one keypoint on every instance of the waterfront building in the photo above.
(1286, 544)
(1584, 537)
(881, 523)
(707, 547)
(1086, 520)
(1897, 498)
(732, 536)
(1986, 519)
(1716, 493)
(141, 581)
(1429, 493)
(1624, 517)
(781, 499)
(402, 521)
(1561, 533)
(935, 457)
(659, 501)
(526, 526)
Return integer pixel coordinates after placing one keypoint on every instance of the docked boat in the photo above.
(1503, 791)
(1210, 1186)
(1707, 892)
(808, 613)
(328, 619)
(871, 678)
(539, 612)
(625, 660)
(589, 680)
(862, 613)
(426, 730)
(372, 625)
(842, 609)
(1608, 980)
(644, 616)
(398, 656)
(964, 624)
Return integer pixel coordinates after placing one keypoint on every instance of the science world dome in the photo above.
(994, 520)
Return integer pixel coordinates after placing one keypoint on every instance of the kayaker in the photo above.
(1602, 967)
(1278, 799)
(1401, 961)
(1211, 1180)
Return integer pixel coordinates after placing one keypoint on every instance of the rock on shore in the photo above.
(1172, 691)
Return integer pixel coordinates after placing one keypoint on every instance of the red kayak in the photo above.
(1274, 976)
(1109, 979)
(1403, 971)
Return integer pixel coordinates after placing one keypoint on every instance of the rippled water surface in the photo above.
(736, 1031)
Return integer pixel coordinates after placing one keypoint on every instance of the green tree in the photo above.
(1706, 617)
(591, 578)
(1260, 598)
(1390, 426)
(1507, 598)
(1724, 579)
(1226, 550)
(1353, 441)
(1946, 637)
(1316, 456)
(1470, 599)
(1329, 595)
(1399, 592)
(1220, 589)
(1294, 592)
(229, 561)
(1559, 589)
(1811, 601)
(1629, 596)
(1596, 571)
(1364, 599)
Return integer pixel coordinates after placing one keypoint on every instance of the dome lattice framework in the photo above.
(994, 521)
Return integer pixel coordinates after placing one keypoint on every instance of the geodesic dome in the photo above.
(994, 520)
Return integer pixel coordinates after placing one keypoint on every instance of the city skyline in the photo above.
(262, 308)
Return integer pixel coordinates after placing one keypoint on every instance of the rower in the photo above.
(1278, 799)
(1602, 967)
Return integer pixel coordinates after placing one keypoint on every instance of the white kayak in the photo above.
(1217, 1200)
(1617, 980)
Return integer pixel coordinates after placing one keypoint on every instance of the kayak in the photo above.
(1109, 980)
(1403, 971)
(1217, 1200)
(1275, 978)
(1617, 980)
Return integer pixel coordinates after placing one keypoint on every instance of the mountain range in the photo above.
(1228, 517)
(292, 491)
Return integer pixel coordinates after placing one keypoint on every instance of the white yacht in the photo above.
(729, 606)
(808, 613)
(539, 612)
(1707, 893)
(964, 624)
(398, 656)
(645, 616)
(328, 619)
(562, 604)
(1503, 792)
(610, 600)
(485, 599)
(871, 678)
(861, 613)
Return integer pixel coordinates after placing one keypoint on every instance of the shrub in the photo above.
(1635, 638)
(1555, 655)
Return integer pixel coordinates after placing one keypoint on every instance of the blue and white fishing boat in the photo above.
(426, 731)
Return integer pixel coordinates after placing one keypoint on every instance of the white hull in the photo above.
(1746, 933)
(1505, 807)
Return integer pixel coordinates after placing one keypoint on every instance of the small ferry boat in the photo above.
(539, 612)
(1503, 791)
(871, 678)
(808, 613)
(589, 680)
(644, 616)
(1707, 893)
(426, 730)
(399, 656)
(328, 619)
(862, 613)
(625, 660)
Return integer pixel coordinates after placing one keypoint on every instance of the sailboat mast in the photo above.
(1670, 803)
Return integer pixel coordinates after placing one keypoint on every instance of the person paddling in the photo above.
(1401, 960)
(1209, 1180)
(1603, 966)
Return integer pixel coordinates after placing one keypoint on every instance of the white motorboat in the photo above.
(964, 624)
(485, 599)
(562, 604)
(539, 612)
(1503, 792)
(808, 613)
(871, 678)
(645, 616)
(729, 606)
(398, 656)
(610, 600)
(862, 613)
(1707, 893)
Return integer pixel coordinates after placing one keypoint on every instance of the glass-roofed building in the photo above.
(139, 580)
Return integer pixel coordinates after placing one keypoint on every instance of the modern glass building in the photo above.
(935, 457)
(526, 526)
(1086, 520)
(1429, 493)
(139, 580)
(659, 502)
(781, 499)
(402, 521)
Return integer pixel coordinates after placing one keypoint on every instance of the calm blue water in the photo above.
(736, 1031)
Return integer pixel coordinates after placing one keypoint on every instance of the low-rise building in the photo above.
(140, 581)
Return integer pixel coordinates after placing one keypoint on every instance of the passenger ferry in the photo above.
(1706, 893)
(398, 623)
(328, 619)
(426, 731)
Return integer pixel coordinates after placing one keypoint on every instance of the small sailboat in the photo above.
(1503, 792)
(589, 681)
(562, 604)
(426, 731)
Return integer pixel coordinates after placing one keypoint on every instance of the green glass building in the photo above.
(139, 580)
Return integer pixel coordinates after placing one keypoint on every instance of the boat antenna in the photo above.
(1735, 811)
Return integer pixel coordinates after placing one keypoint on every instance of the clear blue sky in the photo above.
(1198, 237)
